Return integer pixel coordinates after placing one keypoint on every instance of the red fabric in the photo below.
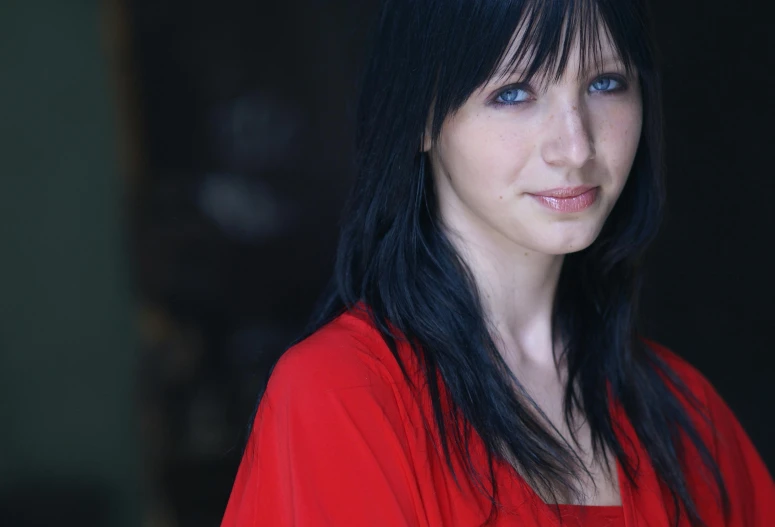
(582, 516)
(339, 440)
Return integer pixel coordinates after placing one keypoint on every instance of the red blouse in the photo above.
(339, 440)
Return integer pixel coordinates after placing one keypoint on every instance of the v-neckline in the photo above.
(619, 480)
(551, 508)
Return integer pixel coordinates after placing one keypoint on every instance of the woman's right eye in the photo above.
(511, 96)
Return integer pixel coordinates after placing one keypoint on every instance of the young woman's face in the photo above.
(510, 143)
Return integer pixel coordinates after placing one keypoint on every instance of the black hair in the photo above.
(428, 57)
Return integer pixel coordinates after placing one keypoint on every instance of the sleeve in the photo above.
(328, 448)
(749, 484)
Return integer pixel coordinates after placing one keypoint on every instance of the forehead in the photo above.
(546, 53)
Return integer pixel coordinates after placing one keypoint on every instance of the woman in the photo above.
(478, 360)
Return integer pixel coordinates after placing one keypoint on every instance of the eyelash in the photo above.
(522, 87)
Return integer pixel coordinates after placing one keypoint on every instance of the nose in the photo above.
(567, 141)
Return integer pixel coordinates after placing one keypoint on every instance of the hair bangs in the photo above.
(534, 40)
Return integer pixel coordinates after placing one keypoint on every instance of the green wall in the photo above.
(67, 348)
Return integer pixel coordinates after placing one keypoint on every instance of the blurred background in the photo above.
(172, 175)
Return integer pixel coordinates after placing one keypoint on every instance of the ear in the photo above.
(426, 139)
(426, 143)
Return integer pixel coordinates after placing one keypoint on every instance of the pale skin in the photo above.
(581, 130)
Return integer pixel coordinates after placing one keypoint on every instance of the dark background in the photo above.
(174, 171)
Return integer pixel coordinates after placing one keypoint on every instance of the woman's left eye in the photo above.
(606, 84)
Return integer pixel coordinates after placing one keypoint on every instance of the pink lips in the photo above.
(567, 199)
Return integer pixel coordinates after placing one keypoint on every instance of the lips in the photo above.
(569, 199)
(564, 192)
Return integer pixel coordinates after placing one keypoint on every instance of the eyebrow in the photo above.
(605, 62)
(610, 60)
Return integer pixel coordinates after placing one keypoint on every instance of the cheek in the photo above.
(486, 151)
(618, 138)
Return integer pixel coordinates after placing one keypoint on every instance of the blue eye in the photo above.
(512, 96)
(606, 84)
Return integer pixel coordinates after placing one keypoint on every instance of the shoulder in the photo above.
(347, 356)
(332, 442)
(688, 374)
(750, 486)
(708, 410)
(704, 405)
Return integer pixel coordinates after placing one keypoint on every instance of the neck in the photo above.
(516, 288)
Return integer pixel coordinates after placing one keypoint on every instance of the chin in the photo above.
(566, 244)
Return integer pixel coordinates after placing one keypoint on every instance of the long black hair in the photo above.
(428, 57)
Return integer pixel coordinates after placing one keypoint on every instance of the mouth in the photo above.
(569, 199)
(565, 192)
